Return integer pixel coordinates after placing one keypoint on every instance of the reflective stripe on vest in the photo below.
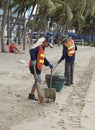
(70, 47)
(42, 55)
(41, 61)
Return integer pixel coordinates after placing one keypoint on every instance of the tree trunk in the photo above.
(8, 27)
(19, 30)
(27, 25)
(4, 18)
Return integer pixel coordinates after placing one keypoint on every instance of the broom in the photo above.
(39, 90)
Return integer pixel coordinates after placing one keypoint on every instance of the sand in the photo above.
(74, 108)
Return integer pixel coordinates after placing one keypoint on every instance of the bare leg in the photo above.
(33, 90)
(32, 95)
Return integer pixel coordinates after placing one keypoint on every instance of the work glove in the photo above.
(34, 62)
(51, 66)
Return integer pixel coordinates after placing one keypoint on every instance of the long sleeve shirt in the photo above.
(33, 56)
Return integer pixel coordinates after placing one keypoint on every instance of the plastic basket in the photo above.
(57, 81)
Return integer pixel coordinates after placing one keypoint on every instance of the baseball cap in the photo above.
(66, 38)
(48, 39)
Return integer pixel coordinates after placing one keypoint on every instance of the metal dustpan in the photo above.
(50, 93)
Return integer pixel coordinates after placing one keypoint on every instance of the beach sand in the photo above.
(74, 107)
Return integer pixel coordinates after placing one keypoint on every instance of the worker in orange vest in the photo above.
(69, 48)
(38, 59)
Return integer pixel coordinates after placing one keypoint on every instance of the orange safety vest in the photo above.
(40, 58)
(70, 47)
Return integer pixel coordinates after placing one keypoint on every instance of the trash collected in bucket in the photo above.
(57, 81)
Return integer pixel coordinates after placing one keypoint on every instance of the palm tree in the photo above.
(66, 14)
(21, 7)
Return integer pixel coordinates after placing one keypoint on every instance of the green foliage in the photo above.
(47, 7)
(78, 14)
(20, 6)
(1, 2)
(90, 8)
(37, 24)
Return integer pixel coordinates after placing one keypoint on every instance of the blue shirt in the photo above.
(33, 56)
